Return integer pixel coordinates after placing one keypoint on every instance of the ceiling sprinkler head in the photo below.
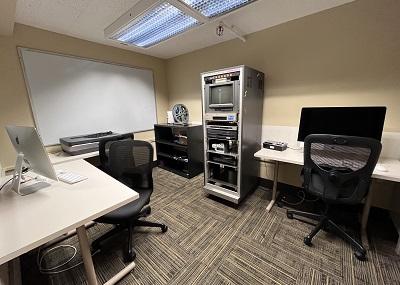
(220, 30)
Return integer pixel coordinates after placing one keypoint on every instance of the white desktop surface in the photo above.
(30, 221)
(289, 155)
(61, 157)
(292, 156)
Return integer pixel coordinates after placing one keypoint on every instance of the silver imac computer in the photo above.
(31, 155)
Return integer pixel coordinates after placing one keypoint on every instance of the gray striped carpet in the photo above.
(212, 243)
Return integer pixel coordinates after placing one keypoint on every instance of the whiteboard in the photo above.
(74, 96)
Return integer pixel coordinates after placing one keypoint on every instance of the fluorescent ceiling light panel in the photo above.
(213, 8)
(155, 25)
(150, 22)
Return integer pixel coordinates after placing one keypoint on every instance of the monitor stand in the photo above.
(24, 186)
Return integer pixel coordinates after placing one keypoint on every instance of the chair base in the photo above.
(128, 252)
(327, 224)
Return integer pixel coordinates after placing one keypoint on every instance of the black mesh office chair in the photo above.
(337, 169)
(130, 162)
(104, 148)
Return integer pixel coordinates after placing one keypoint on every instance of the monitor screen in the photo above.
(26, 141)
(349, 121)
(221, 94)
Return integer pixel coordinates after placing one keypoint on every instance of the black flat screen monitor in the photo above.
(348, 121)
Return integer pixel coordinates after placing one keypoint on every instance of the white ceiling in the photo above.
(87, 19)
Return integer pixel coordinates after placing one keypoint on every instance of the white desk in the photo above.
(61, 157)
(296, 157)
(30, 221)
(292, 156)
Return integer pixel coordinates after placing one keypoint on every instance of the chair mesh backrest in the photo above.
(104, 147)
(142, 154)
(131, 162)
(340, 156)
(339, 168)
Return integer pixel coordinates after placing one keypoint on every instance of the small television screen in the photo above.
(221, 94)
(348, 121)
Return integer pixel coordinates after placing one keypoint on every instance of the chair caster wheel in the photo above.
(130, 257)
(360, 255)
(307, 241)
(148, 211)
(279, 204)
(289, 215)
(164, 228)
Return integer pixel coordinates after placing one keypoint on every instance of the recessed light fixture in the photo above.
(150, 22)
(214, 8)
(159, 23)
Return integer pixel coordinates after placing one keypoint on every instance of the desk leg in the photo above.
(274, 187)
(88, 262)
(364, 219)
(86, 255)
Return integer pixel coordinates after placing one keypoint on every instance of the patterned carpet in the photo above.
(212, 243)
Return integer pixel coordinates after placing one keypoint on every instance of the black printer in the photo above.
(85, 143)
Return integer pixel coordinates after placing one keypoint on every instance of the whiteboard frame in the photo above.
(20, 49)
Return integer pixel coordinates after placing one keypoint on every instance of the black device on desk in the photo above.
(274, 145)
(84, 143)
(350, 121)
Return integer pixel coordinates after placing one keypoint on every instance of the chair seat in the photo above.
(129, 211)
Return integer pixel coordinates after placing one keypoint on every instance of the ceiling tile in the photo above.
(87, 19)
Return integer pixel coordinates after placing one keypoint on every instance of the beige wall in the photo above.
(7, 16)
(349, 55)
(14, 101)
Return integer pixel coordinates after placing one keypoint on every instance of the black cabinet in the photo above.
(180, 148)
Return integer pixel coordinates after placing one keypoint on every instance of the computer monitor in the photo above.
(349, 121)
(32, 154)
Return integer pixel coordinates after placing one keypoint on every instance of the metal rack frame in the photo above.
(247, 116)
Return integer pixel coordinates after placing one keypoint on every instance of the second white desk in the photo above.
(292, 156)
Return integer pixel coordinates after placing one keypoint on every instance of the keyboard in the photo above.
(69, 177)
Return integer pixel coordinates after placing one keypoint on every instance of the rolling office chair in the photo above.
(104, 148)
(130, 162)
(338, 170)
